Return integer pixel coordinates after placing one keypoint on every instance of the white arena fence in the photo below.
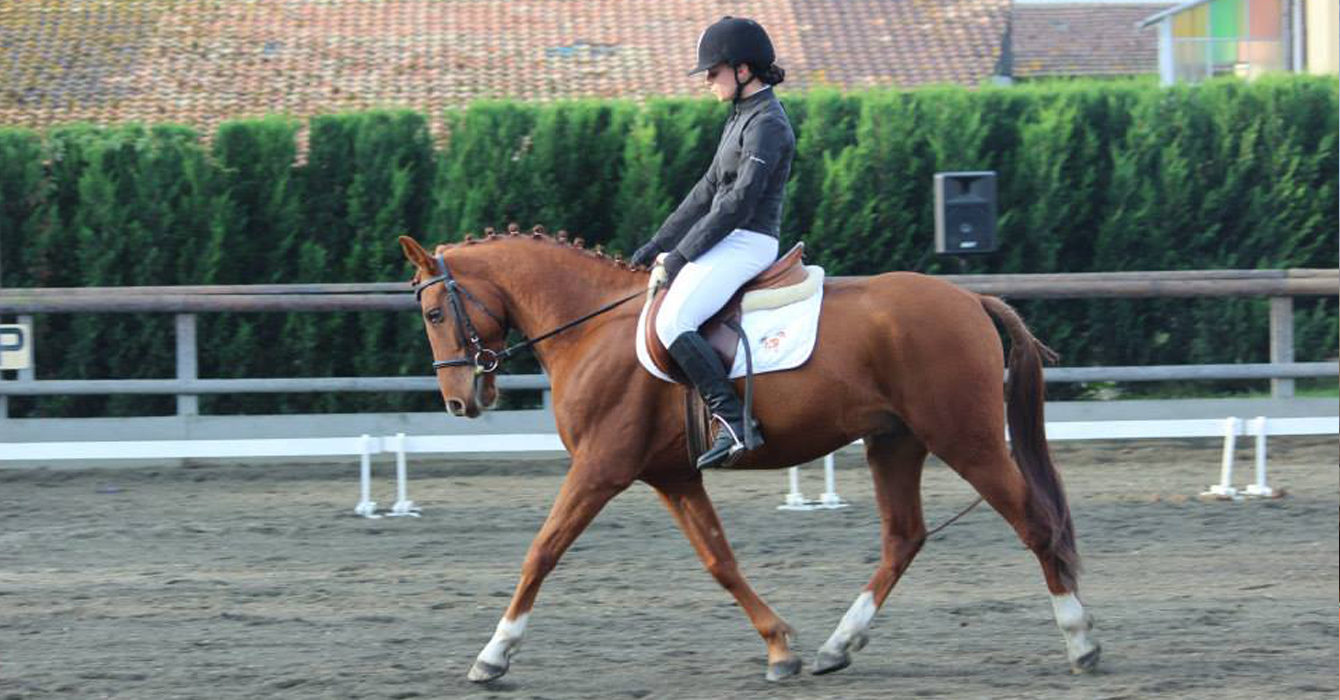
(365, 447)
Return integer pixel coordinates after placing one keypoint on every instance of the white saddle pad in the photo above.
(780, 338)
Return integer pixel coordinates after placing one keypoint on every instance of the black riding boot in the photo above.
(702, 366)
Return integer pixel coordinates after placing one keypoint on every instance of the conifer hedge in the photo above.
(1094, 176)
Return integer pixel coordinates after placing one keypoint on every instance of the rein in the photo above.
(950, 521)
(485, 360)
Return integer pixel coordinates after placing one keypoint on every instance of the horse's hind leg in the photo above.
(895, 464)
(994, 474)
(693, 511)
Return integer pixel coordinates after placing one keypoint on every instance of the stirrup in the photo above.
(750, 438)
(715, 457)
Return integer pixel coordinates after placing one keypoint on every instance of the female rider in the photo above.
(725, 230)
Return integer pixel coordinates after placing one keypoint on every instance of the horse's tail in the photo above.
(1025, 396)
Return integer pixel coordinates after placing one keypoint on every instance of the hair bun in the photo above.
(772, 75)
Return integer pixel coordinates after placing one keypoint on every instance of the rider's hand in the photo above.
(645, 255)
(673, 261)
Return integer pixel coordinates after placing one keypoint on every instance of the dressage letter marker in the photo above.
(16, 346)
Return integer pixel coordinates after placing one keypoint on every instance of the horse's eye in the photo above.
(434, 316)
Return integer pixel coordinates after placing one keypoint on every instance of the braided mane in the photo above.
(538, 233)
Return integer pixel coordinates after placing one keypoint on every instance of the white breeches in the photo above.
(704, 285)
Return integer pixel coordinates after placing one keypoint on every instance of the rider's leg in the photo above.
(701, 365)
(700, 289)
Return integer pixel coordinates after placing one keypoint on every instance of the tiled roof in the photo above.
(201, 61)
(901, 42)
(1083, 39)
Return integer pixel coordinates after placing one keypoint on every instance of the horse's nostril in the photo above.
(456, 406)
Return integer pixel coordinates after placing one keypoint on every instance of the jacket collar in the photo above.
(752, 103)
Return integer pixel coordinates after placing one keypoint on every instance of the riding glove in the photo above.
(646, 255)
(673, 262)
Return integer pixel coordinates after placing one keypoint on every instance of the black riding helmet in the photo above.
(733, 41)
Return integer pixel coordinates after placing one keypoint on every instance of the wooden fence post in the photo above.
(1281, 343)
(187, 365)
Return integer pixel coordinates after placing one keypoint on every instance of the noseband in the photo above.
(483, 359)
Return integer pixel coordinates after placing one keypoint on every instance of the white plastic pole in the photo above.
(366, 506)
(795, 500)
(829, 498)
(1260, 488)
(1224, 489)
(403, 506)
(401, 488)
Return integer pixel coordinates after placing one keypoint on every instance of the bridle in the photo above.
(483, 359)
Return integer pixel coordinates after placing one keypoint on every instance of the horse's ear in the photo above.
(416, 254)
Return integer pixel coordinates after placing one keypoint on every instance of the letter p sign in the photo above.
(16, 346)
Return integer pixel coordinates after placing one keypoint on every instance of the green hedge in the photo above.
(1094, 176)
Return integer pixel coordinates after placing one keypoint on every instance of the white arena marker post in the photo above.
(795, 500)
(366, 506)
(1224, 489)
(403, 506)
(829, 498)
(1260, 488)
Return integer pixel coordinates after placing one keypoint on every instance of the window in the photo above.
(1239, 37)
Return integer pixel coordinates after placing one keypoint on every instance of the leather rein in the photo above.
(483, 359)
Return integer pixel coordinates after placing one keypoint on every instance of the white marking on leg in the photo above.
(851, 628)
(1074, 624)
(506, 639)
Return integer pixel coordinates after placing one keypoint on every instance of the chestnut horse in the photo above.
(909, 363)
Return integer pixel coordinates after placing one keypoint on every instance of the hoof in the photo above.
(1088, 662)
(829, 662)
(783, 669)
(482, 672)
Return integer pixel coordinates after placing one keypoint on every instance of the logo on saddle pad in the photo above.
(772, 343)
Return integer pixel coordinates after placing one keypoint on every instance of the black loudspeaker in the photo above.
(965, 213)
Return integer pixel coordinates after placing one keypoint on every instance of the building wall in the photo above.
(1323, 36)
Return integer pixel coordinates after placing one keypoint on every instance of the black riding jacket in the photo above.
(743, 188)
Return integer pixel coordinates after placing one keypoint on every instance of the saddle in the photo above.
(782, 283)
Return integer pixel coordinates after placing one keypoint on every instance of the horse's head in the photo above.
(466, 322)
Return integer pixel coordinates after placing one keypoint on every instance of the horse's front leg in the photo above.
(693, 511)
(581, 497)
